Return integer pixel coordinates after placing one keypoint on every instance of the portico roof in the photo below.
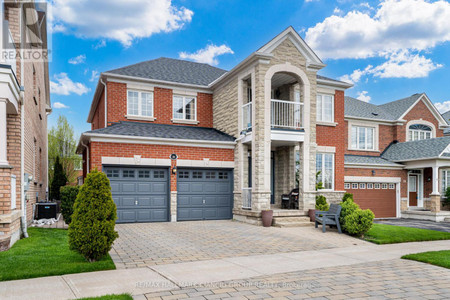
(418, 150)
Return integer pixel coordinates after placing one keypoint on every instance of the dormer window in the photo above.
(418, 132)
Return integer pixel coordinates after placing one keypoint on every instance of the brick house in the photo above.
(24, 106)
(187, 141)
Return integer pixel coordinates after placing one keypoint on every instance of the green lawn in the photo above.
(390, 234)
(45, 253)
(110, 297)
(438, 258)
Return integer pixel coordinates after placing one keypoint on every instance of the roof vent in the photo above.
(375, 114)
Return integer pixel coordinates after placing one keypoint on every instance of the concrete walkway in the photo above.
(140, 281)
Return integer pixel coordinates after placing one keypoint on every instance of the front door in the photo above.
(413, 190)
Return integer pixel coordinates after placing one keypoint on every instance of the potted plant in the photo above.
(267, 216)
(319, 186)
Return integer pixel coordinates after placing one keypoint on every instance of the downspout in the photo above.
(87, 156)
(106, 103)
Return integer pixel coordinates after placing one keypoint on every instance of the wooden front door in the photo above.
(413, 187)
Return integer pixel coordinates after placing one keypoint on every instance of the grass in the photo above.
(390, 234)
(46, 253)
(437, 258)
(110, 297)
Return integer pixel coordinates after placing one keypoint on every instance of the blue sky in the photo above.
(389, 49)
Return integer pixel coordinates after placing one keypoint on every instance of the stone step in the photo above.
(288, 213)
(447, 220)
(292, 224)
(290, 219)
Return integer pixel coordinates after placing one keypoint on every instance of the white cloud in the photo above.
(363, 96)
(442, 107)
(94, 75)
(63, 85)
(208, 54)
(58, 105)
(402, 64)
(99, 45)
(119, 20)
(78, 59)
(394, 26)
(337, 11)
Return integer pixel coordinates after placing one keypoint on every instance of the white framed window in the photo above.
(391, 186)
(363, 138)
(347, 186)
(418, 132)
(362, 186)
(184, 108)
(445, 180)
(325, 108)
(370, 185)
(354, 186)
(140, 103)
(325, 165)
(376, 186)
(384, 186)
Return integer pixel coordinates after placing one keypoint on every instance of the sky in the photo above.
(388, 49)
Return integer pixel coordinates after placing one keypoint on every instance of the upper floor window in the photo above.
(184, 107)
(140, 103)
(363, 138)
(419, 132)
(325, 108)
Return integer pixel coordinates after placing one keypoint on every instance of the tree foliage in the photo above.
(59, 180)
(68, 195)
(91, 232)
(62, 143)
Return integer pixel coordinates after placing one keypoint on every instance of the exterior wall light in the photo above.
(174, 170)
(373, 172)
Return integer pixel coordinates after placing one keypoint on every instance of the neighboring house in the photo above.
(24, 105)
(187, 141)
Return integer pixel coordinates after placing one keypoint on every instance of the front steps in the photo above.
(290, 218)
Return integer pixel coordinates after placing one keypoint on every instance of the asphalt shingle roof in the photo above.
(399, 107)
(367, 160)
(429, 148)
(173, 70)
(361, 109)
(446, 117)
(139, 129)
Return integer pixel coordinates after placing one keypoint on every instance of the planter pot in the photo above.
(267, 216)
(312, 215)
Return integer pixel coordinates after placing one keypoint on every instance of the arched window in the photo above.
(419, 132)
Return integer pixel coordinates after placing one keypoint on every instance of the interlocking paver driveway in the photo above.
(392, 279)
(148, 244)
(424, 224)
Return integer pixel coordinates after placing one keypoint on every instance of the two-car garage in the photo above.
(143, 194)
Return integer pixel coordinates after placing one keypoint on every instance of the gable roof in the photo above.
(172, 70)
(398, 108)
(415, 150)
(138, 129)
(446, 116)
(391, 111)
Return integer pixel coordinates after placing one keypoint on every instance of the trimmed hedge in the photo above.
(348, 207)
(359, 222)
(321, 203)
(68, 195)
(91, 232)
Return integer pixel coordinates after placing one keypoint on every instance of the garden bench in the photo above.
(330, 217)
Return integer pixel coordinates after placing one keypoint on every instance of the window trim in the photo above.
(420, 122)
(323, 168)
(184, 108)
(140, 115)
(321, 120)
(358, 128)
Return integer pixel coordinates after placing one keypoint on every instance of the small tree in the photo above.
(347, 196)
(68, 195)
(447, 197)
(359, 222)
(348, 207)
(91, 232)
(321, 203)
(59, 180)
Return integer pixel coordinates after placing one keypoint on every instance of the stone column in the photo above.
(3, 137)
(435, 196)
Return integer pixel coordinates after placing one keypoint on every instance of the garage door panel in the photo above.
(382, 202)
(204, 195)
(140, 194)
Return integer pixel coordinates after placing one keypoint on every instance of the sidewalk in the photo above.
(161, 278)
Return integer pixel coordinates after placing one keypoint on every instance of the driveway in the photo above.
(148, 244)
(439, 226)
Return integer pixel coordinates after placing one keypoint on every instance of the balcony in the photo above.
(286, 121)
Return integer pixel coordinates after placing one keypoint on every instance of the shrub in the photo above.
(348, 207)
(68, 195)
(359, 222)
(447, 197)
(347, 196)
(321, 203)
(91, 232)
(59, 180)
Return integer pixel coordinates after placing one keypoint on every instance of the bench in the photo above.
(330, 217)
